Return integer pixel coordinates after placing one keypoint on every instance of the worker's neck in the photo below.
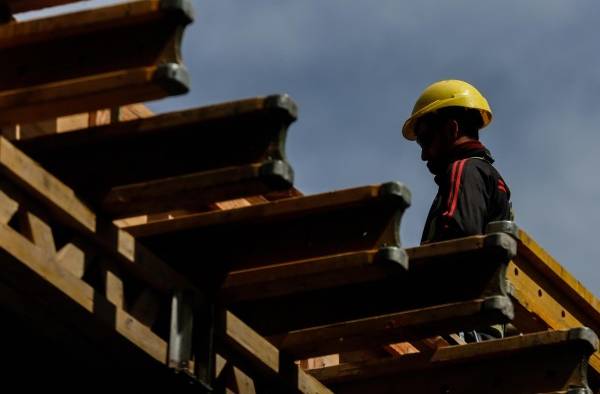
(463, 139)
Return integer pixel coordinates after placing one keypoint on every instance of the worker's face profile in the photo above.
(428, 132)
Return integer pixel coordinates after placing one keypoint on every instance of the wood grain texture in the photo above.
(549, 295)
(275, 232)
(376, 331)
(534, 363)
(60, 202)
(431, 280)
(182, 159)
(264, 359)
(92, 59)
(17, 6)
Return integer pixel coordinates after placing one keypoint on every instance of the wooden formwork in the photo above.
(232, 278)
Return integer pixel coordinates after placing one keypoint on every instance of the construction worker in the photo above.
(445, 122)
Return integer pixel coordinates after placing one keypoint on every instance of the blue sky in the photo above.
(356, 67)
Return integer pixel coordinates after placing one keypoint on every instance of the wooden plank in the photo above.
(17, 6)
(62, 205)
(264, 358)
(115, 292)
(534, 363)
(431, 280)
(72, 258)
(549, 295)
(38, 232)
(286, 208)
(195, 151)
(194, 190)
(277, 232)
(68, 123)
(8, 207)
(72, 330)
(88, 93)
(42, 264)
(312, 274)
(91, 60)
(401, 326)
(569, 285)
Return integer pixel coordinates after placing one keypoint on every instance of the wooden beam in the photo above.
(313, 274)
(92, 59)
(17, 6)
(22, 259)
(431, 280)
(263, 358)
(38, 232)
(72, 258)
(196, 190)
(277, 232)
(183, 159)
(286, 208)
(548, 294)
(534, 363)
(42, 188)
(401, 326)
(8, 207)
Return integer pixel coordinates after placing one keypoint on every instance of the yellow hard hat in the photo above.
(448, 93)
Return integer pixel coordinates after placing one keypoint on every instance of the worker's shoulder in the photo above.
(480, 166)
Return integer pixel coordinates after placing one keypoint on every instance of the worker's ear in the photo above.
(452, 129)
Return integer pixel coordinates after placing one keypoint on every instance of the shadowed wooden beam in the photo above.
(16, 6)
(40, 188)
(92, 59)
(430, 281)
(24, 262)
(281, 231)
(535, 363)
(181, 160)
(401, 326)
(312, 274)
(258, 356)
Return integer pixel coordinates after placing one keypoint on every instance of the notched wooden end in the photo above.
(393, 254)
(500, 305)
(182, 8)
(586, 336)
(283, 102)
(396, 191)
(504, 244)
(503, 226)
(173, 78)
(278, 173)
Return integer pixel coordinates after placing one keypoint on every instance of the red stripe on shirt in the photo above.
(452, 181)
(457, 187)
(502, 186)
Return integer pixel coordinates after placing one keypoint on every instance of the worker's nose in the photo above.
(424, 154)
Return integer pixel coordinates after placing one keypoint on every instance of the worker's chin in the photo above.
(435, 167)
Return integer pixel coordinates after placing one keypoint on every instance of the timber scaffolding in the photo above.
(172, 251)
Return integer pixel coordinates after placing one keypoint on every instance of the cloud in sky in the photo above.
(355, 68)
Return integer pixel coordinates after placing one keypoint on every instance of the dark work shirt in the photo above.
(471, 194)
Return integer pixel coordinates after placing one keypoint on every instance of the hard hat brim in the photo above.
(408, 129)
